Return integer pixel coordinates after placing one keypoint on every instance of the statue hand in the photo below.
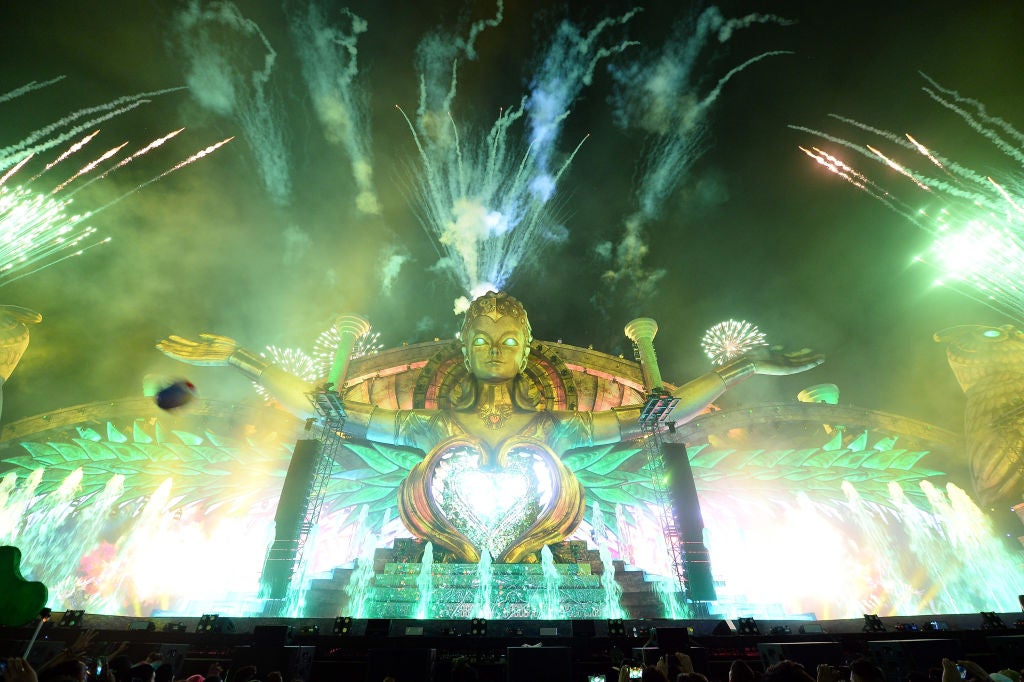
(210, 350)
(775, 361)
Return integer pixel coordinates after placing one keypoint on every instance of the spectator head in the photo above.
(121, 667)
(143, 672)
(787, 671)
(739, 671)
(68, 671)
(864, 670)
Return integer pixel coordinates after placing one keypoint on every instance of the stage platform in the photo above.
(321, 649)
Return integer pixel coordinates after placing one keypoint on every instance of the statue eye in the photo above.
(992, 333)
(510, 341)
(479, 341)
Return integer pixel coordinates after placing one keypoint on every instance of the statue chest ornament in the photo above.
(509, 501)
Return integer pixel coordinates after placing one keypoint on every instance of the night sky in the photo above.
(753, 230)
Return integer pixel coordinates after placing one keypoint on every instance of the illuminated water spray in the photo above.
(481, 196)
(730, 339)
(977, 219)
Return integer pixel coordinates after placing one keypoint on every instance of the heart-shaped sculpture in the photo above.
(509, 504)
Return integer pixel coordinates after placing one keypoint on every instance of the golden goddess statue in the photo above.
(492, 478)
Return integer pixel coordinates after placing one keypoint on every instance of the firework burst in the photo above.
(326, 345)
(977, 222)
(730, 339)
(292, 360)
(37, 229)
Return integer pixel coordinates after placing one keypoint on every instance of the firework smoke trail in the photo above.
(437, 59)
(28, 87)
(220, 86)
(979, 225)
(329, 65)
(482, 199)
(659, 96)
(566, 69)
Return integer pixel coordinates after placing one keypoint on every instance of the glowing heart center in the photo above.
(491, 507)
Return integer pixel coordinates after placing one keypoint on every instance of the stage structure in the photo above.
(809, 508)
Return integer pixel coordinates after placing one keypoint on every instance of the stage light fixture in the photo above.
(811, 629)
(478, 627)
(907, 627)
(991, 621)
(616, 628)
(143, 625)
(746, 626)
(309, 629)
(71, 619)
(213, 623)
(872, 623)
(342, 625)
(780, 630)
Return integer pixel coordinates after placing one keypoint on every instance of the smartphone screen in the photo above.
(636, 672)
(963, 672)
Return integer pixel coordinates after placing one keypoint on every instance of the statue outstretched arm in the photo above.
(694, 396)
(213, 350)
(14, 322)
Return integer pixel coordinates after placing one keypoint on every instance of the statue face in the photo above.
(496, 349)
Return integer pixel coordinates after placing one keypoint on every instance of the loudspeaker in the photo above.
(539, 664)
(174, 656)
(378, 627)
(1009, 650)
(897, 657)
(271, 635)
(403, 664)
(807, 654)
(583, 628)
(671, 640)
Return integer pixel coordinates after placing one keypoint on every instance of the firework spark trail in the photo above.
(329, 66)
(222, 87)
(90, 166)
(181, 164)
(14, 153)
(144, 150)
(658, 94)
(565, 70)
(962, 177)
(76, 147)
(979, 231)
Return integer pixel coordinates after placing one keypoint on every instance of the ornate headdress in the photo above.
(496, 305)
